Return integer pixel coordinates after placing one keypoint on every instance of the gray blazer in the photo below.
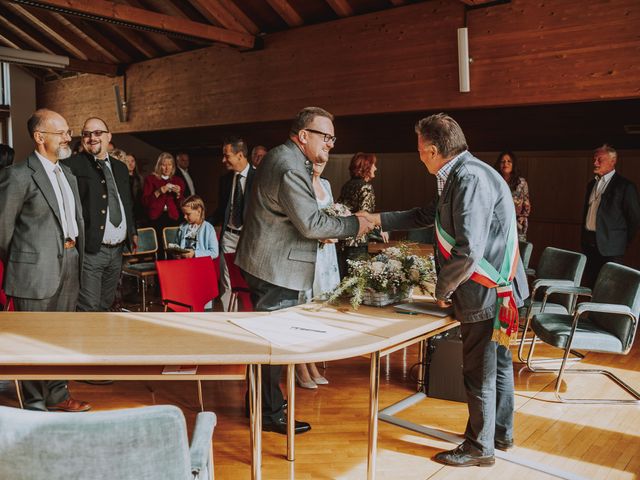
(475, 208)
(279, 240)
(31, 236)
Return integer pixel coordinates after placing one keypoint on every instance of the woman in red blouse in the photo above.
(162, 195)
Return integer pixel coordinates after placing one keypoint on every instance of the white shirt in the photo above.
(594, 200)
(114, 235)
(243, 182)
(50, 167)
(188, 180)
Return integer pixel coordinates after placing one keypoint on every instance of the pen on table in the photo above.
(309, 329)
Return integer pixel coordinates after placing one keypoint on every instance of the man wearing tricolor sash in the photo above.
(480, 274)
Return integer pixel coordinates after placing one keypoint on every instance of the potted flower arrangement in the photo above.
(386, 278)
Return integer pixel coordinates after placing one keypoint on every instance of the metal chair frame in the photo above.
(141, 276)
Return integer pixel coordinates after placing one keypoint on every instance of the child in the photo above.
(196, 234)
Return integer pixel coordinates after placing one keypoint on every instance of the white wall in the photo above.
(22, 90)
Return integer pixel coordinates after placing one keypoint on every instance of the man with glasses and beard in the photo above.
(42, 240)
(279, 241)
(107, 209)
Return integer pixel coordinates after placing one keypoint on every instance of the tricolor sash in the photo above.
(505, 324)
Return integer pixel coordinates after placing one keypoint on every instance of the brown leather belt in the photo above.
(68, 243)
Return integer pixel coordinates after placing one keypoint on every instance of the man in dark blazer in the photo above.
(279, 243)
(182, 171)
(476, 211)
(42, 240)
(611, 214)
(107, 208)
(235, 188)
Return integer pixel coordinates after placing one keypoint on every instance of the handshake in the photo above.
(367, 221)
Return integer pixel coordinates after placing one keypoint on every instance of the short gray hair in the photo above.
(443, 132)
(305, 116)
(608, 149)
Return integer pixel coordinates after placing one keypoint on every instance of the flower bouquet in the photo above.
(386, 278)
(338, 210)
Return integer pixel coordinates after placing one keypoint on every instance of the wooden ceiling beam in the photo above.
(341, 7)
(48, 31)
(287, 12)
(239, 15)
(97, 68)
(472, 3)
(167, 43)
(214, 11)
(88, 39)
(12, 41)
(32, 40)
(109, 43)
(137, 17)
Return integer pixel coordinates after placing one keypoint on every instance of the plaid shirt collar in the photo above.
(443, 174)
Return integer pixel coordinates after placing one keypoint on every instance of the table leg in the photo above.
(422, 345)
(374, 386)
(255, 411)
(19, 393)
(291, 399)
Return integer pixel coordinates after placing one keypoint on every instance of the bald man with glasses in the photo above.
(42, 241)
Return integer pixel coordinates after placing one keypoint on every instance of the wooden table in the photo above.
(421, 249)
(36, 345)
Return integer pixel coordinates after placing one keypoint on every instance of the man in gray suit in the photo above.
(42, 239)
(278, 247)
(476, 226)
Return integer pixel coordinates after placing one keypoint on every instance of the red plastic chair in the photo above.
(239, 287)
(188, 284)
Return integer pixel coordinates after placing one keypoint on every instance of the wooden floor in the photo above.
(593, 441)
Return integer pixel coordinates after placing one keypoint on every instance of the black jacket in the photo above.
(618, 216)
(225, 187)
(93, 196)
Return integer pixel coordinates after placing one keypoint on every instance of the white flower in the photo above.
(395, 265)
(377, 267)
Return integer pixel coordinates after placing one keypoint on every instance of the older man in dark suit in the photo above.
(480, 273)
(279, 243)
(42, 240)
(611, 214)
(107, 208)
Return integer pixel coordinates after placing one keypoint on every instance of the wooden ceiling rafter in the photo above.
(13, 40)
(137, 41)
(91, 42)
(167, 43)
(48, 31)
(286, 12)
(134, 17)
(109, 42)
(215, 12)
(342, 7)
(32, 39)
(239, 15)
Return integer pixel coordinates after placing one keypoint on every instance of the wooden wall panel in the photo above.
(401, 59)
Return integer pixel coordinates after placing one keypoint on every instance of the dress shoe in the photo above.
(503, 445)
(464, 456)
(280, 426)
(320, 380)
(301, 383)
(70, 405)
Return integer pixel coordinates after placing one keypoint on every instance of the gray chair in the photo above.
(608, 323)
(556, 268)
(526, 248)
(142, 264)
(133, 444)
(169, 235)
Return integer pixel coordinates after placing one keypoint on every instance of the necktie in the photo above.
(66, 204)
(115, 215)
(238, 202)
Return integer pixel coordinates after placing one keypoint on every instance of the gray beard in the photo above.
(63, 152)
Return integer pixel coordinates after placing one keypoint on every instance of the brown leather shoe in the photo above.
(70, 405)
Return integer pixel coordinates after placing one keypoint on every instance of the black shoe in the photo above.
(464, 456)
(503, 445)
(280, 426)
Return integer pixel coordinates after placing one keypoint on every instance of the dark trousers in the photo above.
(488, 381)
(595, 260)
(267, 297)
(100, 276)
(40, 394)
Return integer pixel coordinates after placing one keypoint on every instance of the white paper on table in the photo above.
(290, 328)
(179, 369)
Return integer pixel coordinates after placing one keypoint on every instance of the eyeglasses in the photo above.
(62, 134)
(95, 133)
(326, 137)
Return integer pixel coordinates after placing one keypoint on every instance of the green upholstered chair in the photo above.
(133, 444)
(526, 248)
(607, 323)
(556, 268)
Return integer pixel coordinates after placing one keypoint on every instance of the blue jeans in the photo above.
(488, 381)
